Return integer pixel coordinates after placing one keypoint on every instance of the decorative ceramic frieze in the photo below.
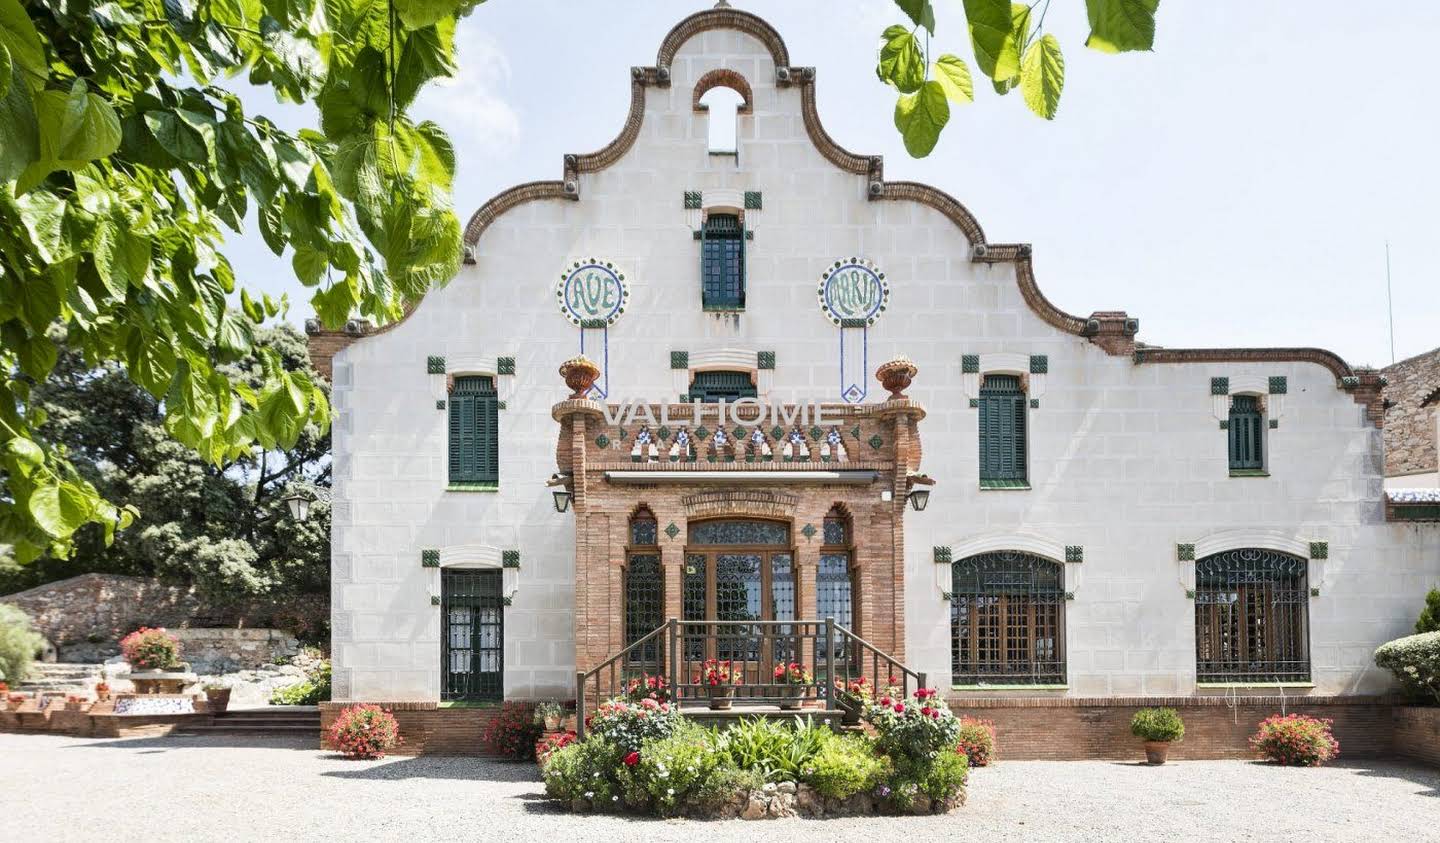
(808, 531)
(672, 531)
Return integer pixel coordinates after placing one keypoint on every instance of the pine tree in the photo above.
(1430, 615)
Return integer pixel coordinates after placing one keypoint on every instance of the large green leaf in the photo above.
(76, 127)
(429, 53)
(920, 13)
(1043, 76)
(1118, 26)
(920, 117)
(416, 14)
(902, 63)
(18, 36)
(19, 130)
(177, 138)
(954, 76)
(60, 508)
(992, 32)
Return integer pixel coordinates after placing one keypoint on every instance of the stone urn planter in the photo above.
(896, 376)
(1156, 752)
(580, 374)
(721, 697)
(217, 700)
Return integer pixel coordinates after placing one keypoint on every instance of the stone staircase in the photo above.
(61, 677)
(297, 720)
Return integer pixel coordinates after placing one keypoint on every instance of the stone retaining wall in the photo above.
(86, 616)
(228, 650)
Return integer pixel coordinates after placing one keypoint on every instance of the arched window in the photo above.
(644, 588)
(834, 578)
(724, 105)
(1007, 620)
(1251, 617)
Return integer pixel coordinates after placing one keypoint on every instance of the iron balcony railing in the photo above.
(677, 651)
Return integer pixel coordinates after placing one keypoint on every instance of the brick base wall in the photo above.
(1067, 729)
(427, 729)
(1416, 733)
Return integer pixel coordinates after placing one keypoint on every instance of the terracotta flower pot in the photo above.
(580, 373)
(721, 696)
(217, 700)
(552, 723)
(1156, 752)
(896, 376)
(791, 696)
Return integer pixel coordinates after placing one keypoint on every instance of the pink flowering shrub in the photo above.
(1295, 740)
(365, 731)
(512, 733)
(628, 725)
(151, 649)
(918, 728)
(977, 741)
(647, 687)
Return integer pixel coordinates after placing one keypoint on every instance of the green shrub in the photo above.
(19, 643)
(844, 766)
(1415, 661)
(631, 725)
(723, 783)
(313, 690)
(587, 770)
(939, 778)
(670, 771)
(1429, 620)
(917, 728)
(1295, 740)
(1157, 724)
(777, 751)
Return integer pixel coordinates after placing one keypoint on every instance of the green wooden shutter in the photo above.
(722, 262)
(1002, 431)
(710, 387)
(1247, 431)
(474, 431)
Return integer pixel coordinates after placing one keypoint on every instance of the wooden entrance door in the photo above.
(740, 571)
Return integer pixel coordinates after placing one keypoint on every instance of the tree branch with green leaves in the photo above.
(124, 162)
(1008, 51)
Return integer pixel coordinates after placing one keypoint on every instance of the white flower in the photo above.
(589, 794)
(670, 792)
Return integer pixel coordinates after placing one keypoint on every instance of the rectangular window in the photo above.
(1247, 433)
(473, 661)
(474, 432)
(1002, 432)
(722, 262)
(711, 387)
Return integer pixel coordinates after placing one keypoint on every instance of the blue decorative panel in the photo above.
(672, 531)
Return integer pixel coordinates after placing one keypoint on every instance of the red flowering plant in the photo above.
(856, 693)
(977, 741)
(647, 687)
(628, 725)
(793, 673)
(4, 687)
(722, 672)
(559, 740)
(918, 728)
(151, 649)
(512, 732)
(1295, 740)
(365, 731)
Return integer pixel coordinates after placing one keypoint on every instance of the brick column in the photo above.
(672, 564)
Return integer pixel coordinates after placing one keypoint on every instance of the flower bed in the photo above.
(645, 758)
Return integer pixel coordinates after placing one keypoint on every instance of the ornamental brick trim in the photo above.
(753, 503)
(722, 18)
(723, 78)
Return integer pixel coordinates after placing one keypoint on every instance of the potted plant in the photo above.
(4, 687)
(852, 697)
(797, 681)
(550, 714)
(1157, 727)
(720, 678)
(74, 702)
(102, 691)
(217, 698)
(149, 650)
(15, 701)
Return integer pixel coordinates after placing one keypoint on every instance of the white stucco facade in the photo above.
(1126, 459)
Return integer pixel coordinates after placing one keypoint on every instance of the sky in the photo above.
(1235, 187)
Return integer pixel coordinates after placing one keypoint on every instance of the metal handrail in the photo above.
(760, 645)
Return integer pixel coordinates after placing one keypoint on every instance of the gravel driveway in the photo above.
(236, 788)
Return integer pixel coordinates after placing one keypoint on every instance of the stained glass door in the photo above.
(740, 571)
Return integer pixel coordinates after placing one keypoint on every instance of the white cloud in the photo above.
(472, 106)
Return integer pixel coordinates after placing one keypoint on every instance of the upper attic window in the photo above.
(723, 94)
(723, 105)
